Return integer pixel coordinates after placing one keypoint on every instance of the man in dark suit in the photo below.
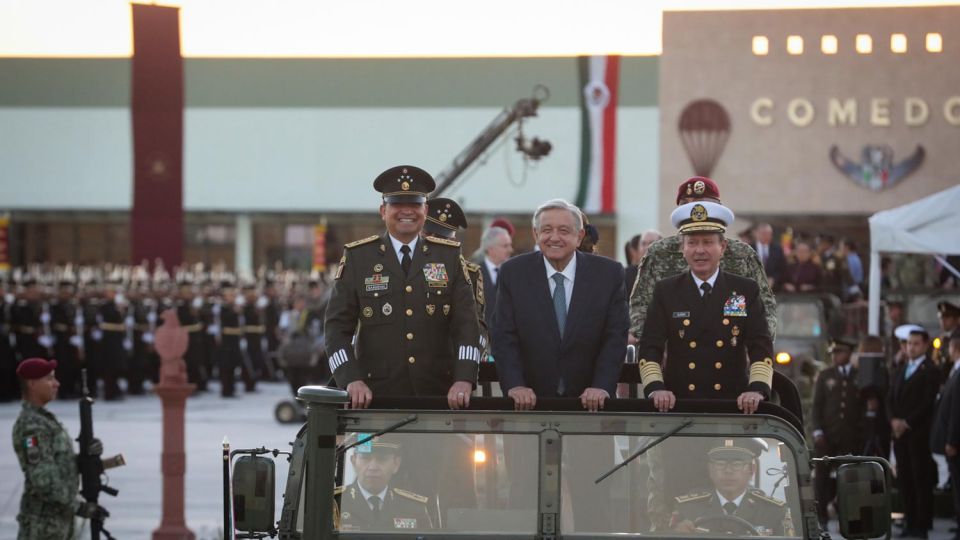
(945, 436)
(771, 254)
(709, 321)
(913, 389)
(497, 246)
(837, 418)
(560, 327)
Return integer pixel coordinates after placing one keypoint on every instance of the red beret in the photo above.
(35, 368)
(699, 187)
(503, 223)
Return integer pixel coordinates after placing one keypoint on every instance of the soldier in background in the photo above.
(45, 452)
(664, 259)
(63, 320)
(253, 333)
(188, 315)
(272, 309)
(949, 316)
(444, 218)
(230, 354)
(138, 327)
(111, 321)
(8, 360)
(25, 321)
(837, 418)
(207, 302)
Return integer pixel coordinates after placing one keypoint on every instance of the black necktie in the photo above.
(374, 500)
(706, 288)
(405, 261)
(729, 508)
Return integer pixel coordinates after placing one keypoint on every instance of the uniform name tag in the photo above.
(376, 282)
(681, 314)
(435, 274)
(735, 306)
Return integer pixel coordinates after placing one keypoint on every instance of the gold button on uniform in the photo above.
(409, 288)
(726, 322)
(409, 312)
(692, 387)
(686, 322)
(719, 343)
(718, 365)
(411, 360)
(693, 344)
(410, 335)
(716, 386)
(691, 365)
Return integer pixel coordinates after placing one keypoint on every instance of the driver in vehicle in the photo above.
(731, 505)
(370, 503)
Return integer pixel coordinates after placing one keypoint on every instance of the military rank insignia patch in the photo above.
(446, 309)
(343, 261)
(735, 306)
(376, 282)
(404, 523)
(436, 274)
(431, 309)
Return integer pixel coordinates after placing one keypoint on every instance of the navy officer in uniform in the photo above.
(409, 302)
(710, 321)
(444, 218)
(730, 504)
(371, 503)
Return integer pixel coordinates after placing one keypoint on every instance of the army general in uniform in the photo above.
(712, 322)
(409, 302)
(47, 459)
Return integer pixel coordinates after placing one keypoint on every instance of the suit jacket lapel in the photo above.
(579, 298)
(390, 261)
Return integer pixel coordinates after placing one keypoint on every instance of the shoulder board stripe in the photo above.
(763, 496)
(692, 497)
(361, 242)
(338, 490)
(443, 241)
(410, 495)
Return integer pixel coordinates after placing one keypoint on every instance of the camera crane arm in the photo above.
(523, 108)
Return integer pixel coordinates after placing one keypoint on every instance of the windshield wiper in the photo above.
(643, 450)
(393, 427)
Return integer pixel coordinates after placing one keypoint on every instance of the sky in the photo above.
(368, 28)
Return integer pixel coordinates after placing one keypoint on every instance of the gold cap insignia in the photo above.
(698, 213)
(443, 217)
(405, 186)
(698, 187)
(368, 312)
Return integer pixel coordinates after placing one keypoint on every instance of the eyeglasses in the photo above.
(732, 466)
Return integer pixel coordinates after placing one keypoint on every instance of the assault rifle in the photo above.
(91, 468)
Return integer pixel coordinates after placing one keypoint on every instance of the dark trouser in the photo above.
(113, 363)
(9, 390)
(916, 475)
(68, 366)
(256, 356)
(953, 464)
(196, 369)
(229, 357)
(824, 486)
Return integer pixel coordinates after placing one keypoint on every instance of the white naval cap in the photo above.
(903, 331)
(702, 216)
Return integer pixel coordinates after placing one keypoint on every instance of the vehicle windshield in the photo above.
(490, 483)
(799, 319)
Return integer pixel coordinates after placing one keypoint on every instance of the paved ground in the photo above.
(133, 428)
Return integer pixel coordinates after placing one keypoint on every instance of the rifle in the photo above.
(91, 468)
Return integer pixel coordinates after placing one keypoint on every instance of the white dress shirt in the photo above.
(492, 269)
(366, 495)
(398, 244)
(569, 274)
(711, 280)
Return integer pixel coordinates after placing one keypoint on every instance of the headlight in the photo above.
(937, 343)
(783, 358)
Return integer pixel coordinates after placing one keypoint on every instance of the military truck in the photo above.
(557, 471)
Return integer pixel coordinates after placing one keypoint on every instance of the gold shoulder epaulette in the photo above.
(472, 266)
(443, 241)
(411, 495)
(339, 490)
(759, 494)
(361, 242)
(693, 497)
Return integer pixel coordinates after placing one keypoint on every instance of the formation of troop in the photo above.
(104, 320)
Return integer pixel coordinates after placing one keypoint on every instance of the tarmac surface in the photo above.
(132, 427)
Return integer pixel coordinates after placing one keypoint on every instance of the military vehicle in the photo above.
(557, 471)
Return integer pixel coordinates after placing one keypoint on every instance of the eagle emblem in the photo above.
(698, 213)
(877, 170)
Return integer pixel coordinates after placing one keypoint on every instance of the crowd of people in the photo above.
(405, 313)
(103, 319)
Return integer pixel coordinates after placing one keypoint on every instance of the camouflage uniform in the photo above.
(49, 465)
(664, 259)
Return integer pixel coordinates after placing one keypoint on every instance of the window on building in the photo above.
(829, 44)
(761, 46)
(864, 44)
(795, 44)
(934, 42)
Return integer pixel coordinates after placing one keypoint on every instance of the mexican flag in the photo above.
(599, 85)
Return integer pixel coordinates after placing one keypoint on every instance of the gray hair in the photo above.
(490, 236)
(558, 204)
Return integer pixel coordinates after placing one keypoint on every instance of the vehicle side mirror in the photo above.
(253, 494)
(863, 500)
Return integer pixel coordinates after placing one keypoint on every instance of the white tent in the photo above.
(930, 225)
